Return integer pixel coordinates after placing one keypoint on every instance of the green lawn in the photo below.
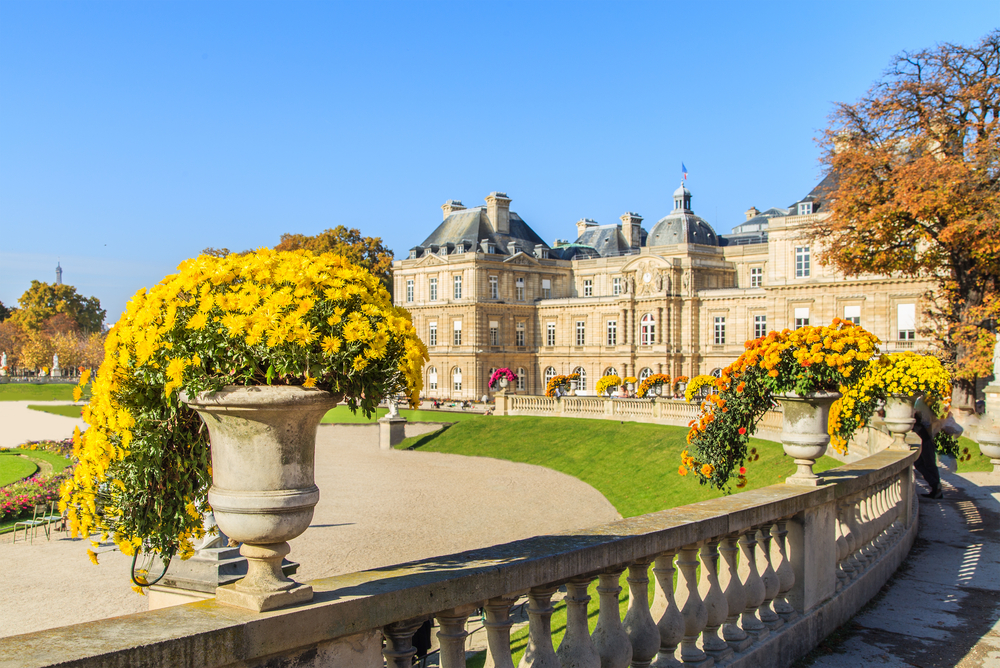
(343, 414)
(39, 392)
(978, 462)
(57, 461)
(66, 411)
(14, 468)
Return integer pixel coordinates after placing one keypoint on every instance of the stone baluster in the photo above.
(883, 517)
(753, 586)
(857, 533)
(716, 603)
(786, 574)
(639, 624)
(868, 550)
(850, 544)
(453, 634)
(399, 649)
(539, 652)
(899, 514)
(839, 530)
(692, 607)
(770, 579)
(498, 623)
(736, 597)
(577, 649)
(609, 636)
(669, 620)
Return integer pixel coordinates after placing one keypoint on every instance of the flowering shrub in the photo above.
(696, 384)
(264, 318)
(678, 381)
(655, 380)
(502, 373)
(64, 447)
(630, 380)
(608, 383)
(559, 381)
(21, 497)
(809, 359)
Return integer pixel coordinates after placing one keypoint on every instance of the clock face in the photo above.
(647, 277)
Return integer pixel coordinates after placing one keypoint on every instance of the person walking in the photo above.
(927, 427)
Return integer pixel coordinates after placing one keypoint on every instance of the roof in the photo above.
(470, 227)
(607, 240)
(681, 227)
(819, 196)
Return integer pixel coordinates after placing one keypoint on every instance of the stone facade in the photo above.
(485, 292)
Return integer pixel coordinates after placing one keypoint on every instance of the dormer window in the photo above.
(413, 254)
(491, 249)
(805, 208)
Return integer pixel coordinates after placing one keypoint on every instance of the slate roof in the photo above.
(470, 227)
(606, 240)
(819, 196)
(682, 228)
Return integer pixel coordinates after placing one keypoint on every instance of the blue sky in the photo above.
(133, 135)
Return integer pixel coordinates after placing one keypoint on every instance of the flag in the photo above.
(685, 171)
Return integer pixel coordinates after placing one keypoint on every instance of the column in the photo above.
(576, 648)
(498, 623)
(715, 602)
(736, 596)
(752, 584)
(453, 634)
(539, 652)
(669, 620)
(786, 575)
(610, 639)
(692, 608)
(659, 324)
(770, 579)
(399, 649)
(639, 624)
(623, 327)
(812, 551)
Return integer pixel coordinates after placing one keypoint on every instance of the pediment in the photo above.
(650, 261)
(522, 258)
(430, 260)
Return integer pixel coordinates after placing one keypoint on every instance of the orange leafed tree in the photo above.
(917, 170)
(367, 252)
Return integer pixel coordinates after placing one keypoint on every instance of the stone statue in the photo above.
(996, 360)
(684, 281)
(393, 408)
(3, 359)
(55, 361)
(659, 282)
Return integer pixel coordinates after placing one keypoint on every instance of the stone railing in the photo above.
(780, 568)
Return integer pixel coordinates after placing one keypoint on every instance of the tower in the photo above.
(58, 274)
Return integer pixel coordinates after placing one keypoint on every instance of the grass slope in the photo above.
(58, 462)
(343, 415)
(39, 392)
(14, 468)
(65, 411)
(978, 462)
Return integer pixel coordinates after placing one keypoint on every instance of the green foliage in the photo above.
(367, 252)
(4, 312)
(42, 301)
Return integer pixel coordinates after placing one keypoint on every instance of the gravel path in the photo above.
(376, 509)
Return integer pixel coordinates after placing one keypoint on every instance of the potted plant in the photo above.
(607, 383)
(653, 384)
(260, 345)
(680, 385)
(502, 378)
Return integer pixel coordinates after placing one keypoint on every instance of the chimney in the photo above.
(451, 206)
(751, 212)
(583, 224)
(632, 229)
(498, 212)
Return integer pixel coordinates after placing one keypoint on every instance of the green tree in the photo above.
(4, 312)
(367, 252)
(917, 168)
(44, 300)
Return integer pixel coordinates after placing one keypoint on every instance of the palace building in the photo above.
(486, 292)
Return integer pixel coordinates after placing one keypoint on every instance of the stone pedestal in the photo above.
(56, 372)
(391, 431)
(992, 392)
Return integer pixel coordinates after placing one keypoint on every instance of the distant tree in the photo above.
(4, 312)
(917, 167)
(37, 351)
(43, 300)
(60, 323)
(93, 350)
(12, 338)
(367, 252)
(215, 252)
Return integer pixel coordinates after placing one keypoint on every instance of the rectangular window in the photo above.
(759, 326)
(720, 330)
(457, 337)
(612, 332)
(852, 314)
(458, 287)
(409, 289)
(801, 317)
(494, 287)
(432, 378)
(432, 334)
(588, 288)
(906, 321)
(413, 255)
(546, 288)
(522, 380)
(519, 334)
(616, 285)
(550, 334)
(756, 277)
(801, 261)
(581, 333)
(494, 333)
(519, 286)
(434, 289)
(491, 249)
(805, 208)
(456, 379)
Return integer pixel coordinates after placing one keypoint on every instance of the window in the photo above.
(550, 334)
(616, 285)
(720, 330)
(550, 373)
(805, 208)
(546, 288)
(756, 277)
(413, 254)
(456, 379)
(519, 334)
(458, 287)
(494, 333)
(906, 321)
(645, 373)
(581, 333)
(494, 287)
(409, 289)
(522, 379)
(582, 383)
(588, 288)
(852, 314)
(759, 326)
(611, 371)
(612, 332)
(801, 317)
(519, 289)
(491, 249)
(801, 261)
(457, 339)
(647, 330)
(432, 378)
(434, 289)
(432, 338)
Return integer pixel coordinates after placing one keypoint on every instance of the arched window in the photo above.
(456, 379)
(717, 373)
(582, 383)
(550, 373)
(522, 378)
(647, 330)
(645, 373)
(611, 371)
(432, 378)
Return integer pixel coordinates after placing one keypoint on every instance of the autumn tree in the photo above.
(12, 338)
(42, 301)
(916, 163)
(367, 252)
(4, 312)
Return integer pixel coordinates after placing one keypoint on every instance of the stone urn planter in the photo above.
(988, 437)
(804, 433)
(573, 384)
(899, 418)
(503, 382)
(263, 492)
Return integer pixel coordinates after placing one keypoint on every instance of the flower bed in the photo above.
(18, 499)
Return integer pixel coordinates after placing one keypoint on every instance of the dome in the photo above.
(682, 228)
(682, 191)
